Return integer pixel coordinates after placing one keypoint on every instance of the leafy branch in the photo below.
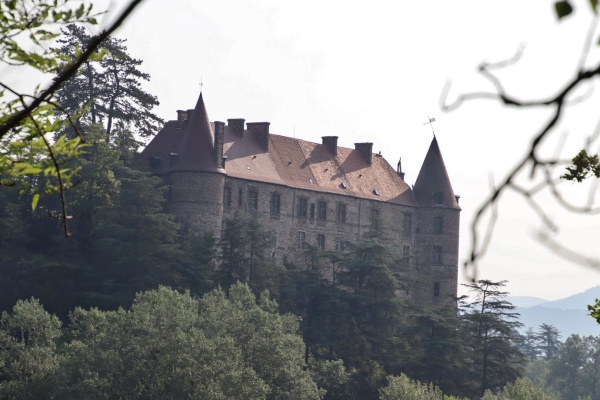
(27, 156)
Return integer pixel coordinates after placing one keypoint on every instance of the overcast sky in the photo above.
(374, 71)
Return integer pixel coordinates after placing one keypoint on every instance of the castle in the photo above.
(317, 193)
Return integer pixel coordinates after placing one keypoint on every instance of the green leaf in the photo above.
(594, 5)
(80, 11)
(595, 310)
(34, 201)
(563, 8)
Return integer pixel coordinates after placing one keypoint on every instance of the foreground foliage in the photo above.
(403, 388)
(521, 389)
(168, 345)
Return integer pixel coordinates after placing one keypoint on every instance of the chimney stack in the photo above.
(189, 113)
(366, 150)
(237, 124)
(219, 140)
(331, 143)
(262, 131)
(181, 115)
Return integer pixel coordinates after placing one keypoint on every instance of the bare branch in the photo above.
(568, 254)
(479, 246)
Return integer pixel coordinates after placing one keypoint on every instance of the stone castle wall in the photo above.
(196, 200)
(413, 231)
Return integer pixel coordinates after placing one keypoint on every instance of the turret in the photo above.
(197, 174)
(437, 228)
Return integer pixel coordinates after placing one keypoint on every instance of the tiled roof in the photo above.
(165, 143)
(302, 164)
(433, 178)
(188, 146)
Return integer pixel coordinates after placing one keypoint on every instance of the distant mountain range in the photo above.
(569, 315)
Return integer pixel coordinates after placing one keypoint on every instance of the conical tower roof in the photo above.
(196, 146)
(433, 187)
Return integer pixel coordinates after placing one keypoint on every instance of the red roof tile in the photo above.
(307, 165)
(291, 162)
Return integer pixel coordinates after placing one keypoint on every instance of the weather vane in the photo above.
(430, 122)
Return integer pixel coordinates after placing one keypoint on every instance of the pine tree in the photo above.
(107, 89)
(548, 340)
(490, 327)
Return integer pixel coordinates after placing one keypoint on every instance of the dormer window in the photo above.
(155, 162)
(174, 159)
(438, 199)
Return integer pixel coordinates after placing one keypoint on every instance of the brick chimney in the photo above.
(189, 113)
(366, 150)
(219, 140)
(181, 115)
(181, 118)
(331, 143)
(262, 131)
(237, 124)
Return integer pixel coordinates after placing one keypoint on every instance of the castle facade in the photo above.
(316, 193)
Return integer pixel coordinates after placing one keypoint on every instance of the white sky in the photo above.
(373, 71)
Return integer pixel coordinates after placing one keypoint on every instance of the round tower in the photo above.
(437, 231)
(197, 175)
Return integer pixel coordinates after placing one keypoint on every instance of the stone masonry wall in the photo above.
(409, 229)
(202, 201)
(441, 269)
(196, 200)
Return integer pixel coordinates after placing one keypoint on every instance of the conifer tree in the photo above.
(107, 89)
(490, 328)
(548, 339)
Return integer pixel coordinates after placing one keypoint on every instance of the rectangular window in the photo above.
(301, 240)
(321, 241)
(227, 197)
(407, 227)
(240, 197)
(302, 207)
(224, 231)
(252, 200)
(340, 245)
(436, 255)
(375, 218)
(438, 225)
(405, 254)
(341, 213)
(275, 205)
(436, 289)
(322, 210)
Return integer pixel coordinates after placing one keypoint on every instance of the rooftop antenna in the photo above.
(430, 122)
